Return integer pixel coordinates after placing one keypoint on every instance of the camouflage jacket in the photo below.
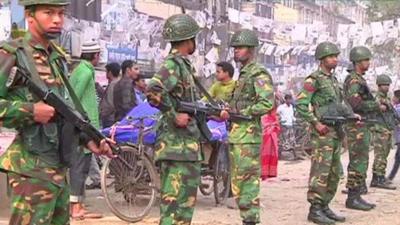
(16, 111)
(253, 96)
(358, 95)
(386, 120)
(320, 91)
(174, 82)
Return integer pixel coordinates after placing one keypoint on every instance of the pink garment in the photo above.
(269, 147)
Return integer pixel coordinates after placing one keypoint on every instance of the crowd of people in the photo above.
(37, 168)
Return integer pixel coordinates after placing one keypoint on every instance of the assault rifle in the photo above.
(209, 110)
(201, 111)
(340, 120)
(77, 119)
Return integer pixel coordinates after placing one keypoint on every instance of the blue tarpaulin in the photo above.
(127, 129)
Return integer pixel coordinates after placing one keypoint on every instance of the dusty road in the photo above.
(283, 199)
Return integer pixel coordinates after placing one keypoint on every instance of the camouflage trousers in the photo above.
(325, 167)
(245, 179)
(179, 183)
(39, 202)
(358, 139)
(382, 146)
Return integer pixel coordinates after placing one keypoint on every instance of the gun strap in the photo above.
(71, 91)
(197, 83)
(25, 55)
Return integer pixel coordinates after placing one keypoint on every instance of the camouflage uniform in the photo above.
(364, 104)
(358, 136)
(252, 96)
(320, 95)
(320, 90)
(177, 149)
(39, 193)
(382, 141)
(24, 164)
(387, 121)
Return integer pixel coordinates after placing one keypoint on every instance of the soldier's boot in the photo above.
(318, 216)
(248, 223)
(385, 184)
(364, 188)
(375, 180)
(332, 215)
(354, 201)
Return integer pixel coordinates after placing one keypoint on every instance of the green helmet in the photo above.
(180, 27)
(360, 53)
(383, 80)
(244, 37)
(325, 49)
(44, 2)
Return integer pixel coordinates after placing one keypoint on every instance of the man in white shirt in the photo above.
(286, 112)
(286, 116)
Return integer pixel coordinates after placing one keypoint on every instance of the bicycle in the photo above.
(215, 174)
(130, 182)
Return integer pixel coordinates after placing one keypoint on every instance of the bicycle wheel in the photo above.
(222, 181)
(206, 186)
(129, 184)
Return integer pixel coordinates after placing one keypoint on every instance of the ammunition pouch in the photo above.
(43, 141)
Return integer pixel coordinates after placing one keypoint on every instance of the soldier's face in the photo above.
(364, 65)
(330, 62)
(242, 54)
(191, 46)
(383, 88)
(46, 19)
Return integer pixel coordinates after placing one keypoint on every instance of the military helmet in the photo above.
(244, 37)
(360, 53)
(180, 27)
(383, 80)
(325, 49)
(44, 2)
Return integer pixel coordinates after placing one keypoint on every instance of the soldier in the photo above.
(253, 96)
(383, 134)
(36, 173)
(364, 104)
(177, 147)
(320, 90)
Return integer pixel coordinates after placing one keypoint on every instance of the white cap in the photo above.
(91, 47)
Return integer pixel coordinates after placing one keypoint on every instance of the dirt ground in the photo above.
(283, 203)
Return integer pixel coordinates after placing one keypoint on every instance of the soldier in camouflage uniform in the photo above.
(364, 104)
(253, 96)
(36, 174)
(383, 133)
(177, 147)
(320, 91)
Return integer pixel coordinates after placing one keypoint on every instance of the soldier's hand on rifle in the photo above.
(224, 115)
(102, 149)
(321, 128)
(43, 113)
(383, 107)
(359, 122)
(182, 120)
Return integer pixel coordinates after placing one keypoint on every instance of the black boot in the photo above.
(364, 188)
(317, 215)
(375, 180)
(333, 216)
(248, 223)
(385, 184)
(354, 200)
